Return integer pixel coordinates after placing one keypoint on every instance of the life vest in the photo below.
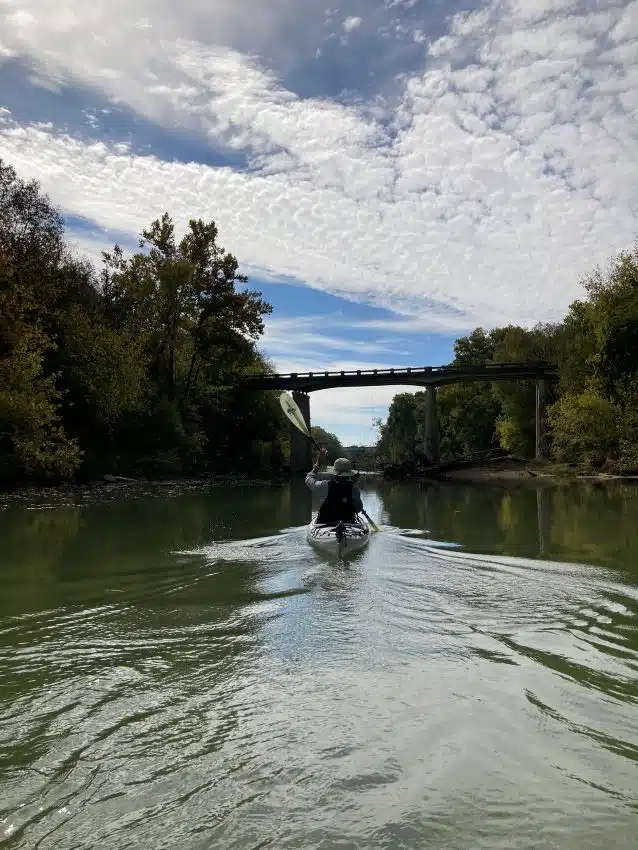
(338, 504)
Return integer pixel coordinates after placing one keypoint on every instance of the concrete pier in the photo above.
(300, 446)
(431, 446)
(541, 421)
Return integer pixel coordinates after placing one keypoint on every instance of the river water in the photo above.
(178, 669)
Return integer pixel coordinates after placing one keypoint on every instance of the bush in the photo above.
(584, 427)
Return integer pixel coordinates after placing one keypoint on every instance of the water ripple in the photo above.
(248, 694)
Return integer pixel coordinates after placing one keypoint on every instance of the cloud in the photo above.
(352, 23)
(496, 175)
(292, 339)
(289, 340)
(483, 197)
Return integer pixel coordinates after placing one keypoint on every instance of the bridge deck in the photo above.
(413, 375)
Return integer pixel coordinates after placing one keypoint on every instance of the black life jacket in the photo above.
(338, 504)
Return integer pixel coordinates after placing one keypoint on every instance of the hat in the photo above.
(342, 468)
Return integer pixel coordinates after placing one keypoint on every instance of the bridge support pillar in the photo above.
(541, 423)
(432, 452)
(300, 446)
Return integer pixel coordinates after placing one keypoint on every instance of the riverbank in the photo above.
(512, 469)
(111, 486)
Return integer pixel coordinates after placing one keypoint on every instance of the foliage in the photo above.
(399, 435)
(467, 418)
(327, 441)
(134, 369)
(362, 457)
(593, 418)
(33, 441)
(584, 427)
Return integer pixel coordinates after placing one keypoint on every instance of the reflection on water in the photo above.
(180, 669)
(585, 522)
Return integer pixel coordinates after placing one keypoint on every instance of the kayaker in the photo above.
(343, 499)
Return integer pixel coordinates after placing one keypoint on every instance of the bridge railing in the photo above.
(540, 365)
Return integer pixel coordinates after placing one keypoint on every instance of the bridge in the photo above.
(429, 377)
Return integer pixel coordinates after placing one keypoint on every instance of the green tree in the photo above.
(595, 350)
(327, 441)
(467, 418)
(33, 442)
(477, 348)
(399, 435)
(135, 370)
(198, 331)
(362, 457)
(584, 428)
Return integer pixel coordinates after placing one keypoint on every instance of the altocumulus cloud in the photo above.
(474, 189)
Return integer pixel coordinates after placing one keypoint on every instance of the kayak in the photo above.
(342, 539)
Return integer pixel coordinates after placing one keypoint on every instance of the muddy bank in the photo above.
(114, 486)
(524, 471)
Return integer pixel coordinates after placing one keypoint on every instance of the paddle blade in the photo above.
(293, 413)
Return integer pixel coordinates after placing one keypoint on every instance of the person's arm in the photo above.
(311, 477)
(356, 500)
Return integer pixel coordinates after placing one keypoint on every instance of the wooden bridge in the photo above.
(429, 377)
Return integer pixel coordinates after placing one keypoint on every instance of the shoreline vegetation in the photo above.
(592, 413)
(134, 371)
(520, 471)
(131, 370)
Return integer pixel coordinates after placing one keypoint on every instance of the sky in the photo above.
(390, 173)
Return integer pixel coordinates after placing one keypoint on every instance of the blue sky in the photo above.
(391, 173)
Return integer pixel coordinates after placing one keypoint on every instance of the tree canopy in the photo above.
(327, 441)
(133, 369)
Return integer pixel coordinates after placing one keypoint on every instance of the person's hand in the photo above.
(320, 457)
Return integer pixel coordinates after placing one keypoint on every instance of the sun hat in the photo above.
(342, 468)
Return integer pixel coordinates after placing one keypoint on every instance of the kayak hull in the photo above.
(342, 540)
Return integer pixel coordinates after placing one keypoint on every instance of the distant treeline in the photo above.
(362, 457)
(593, 418)
(133, 369)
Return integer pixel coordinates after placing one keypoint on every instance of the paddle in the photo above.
(372, 524)
(290, 408)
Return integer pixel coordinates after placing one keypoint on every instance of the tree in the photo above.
(584, 428)
(401, 436)
(477, 348)
(595, 350)
(135, 370)
(467, 418)
(362, 457)
(183, 298)
(327, 441)
(198, 332)
(32, 439)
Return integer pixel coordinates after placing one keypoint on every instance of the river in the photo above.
(178, 669)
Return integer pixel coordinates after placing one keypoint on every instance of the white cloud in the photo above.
(506, 171)
(89, 246)
(626, 27)
(352, 23)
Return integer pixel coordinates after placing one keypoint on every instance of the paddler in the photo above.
(343, 499)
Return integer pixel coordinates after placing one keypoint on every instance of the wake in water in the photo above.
(250, 693)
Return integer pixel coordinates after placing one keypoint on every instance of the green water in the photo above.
(178, 669)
